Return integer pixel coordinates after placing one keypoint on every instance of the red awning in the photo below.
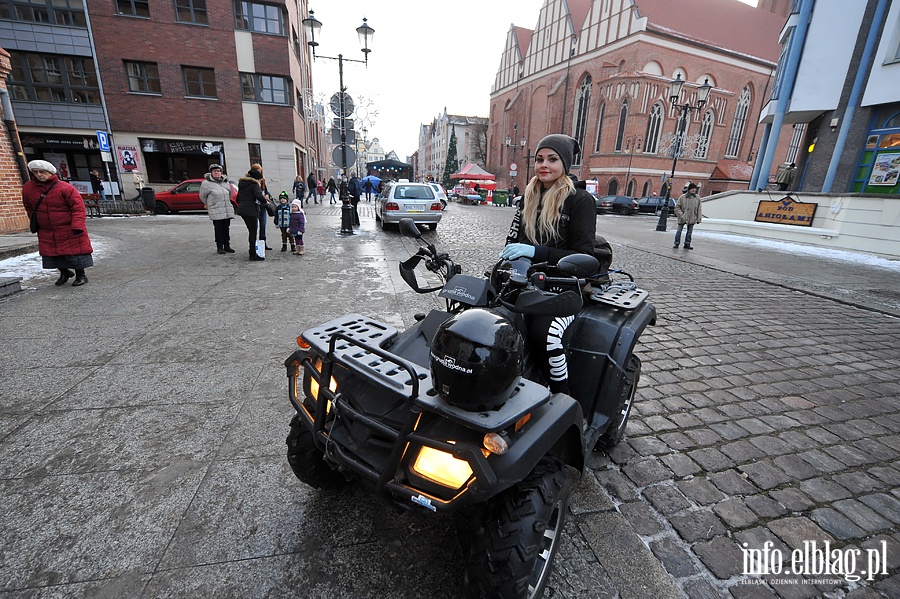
(473, 171)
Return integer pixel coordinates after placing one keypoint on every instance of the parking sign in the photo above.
(103, 140)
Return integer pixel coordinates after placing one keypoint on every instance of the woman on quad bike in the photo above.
(553, 220)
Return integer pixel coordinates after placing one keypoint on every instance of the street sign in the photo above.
(336, 104)
(513, 173)
(103, 140)
(342, 123)
(349, 136)
(105, 156)
(337, 156)
(513, 167)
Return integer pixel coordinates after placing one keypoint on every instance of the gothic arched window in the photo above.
(582, 103)
(623, 117)
(705, 135)
(737, 125)
(599, 126)
(654, 127)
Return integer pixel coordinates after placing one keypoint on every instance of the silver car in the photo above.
(440, 192)
(417, 201)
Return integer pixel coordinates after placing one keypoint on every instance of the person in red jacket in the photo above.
(63, 242)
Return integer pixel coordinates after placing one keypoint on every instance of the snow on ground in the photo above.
(28, 266)
(807, 250)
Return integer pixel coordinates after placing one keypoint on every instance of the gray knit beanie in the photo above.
(565, 147)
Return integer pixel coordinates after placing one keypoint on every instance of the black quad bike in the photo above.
(452, 414)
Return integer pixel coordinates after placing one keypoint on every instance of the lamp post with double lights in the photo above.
(344, 104)
(514, 144)
(632, 143)
(685, 109)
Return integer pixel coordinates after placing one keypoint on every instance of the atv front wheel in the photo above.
(512, 553)
(306, 459)
(619, 419)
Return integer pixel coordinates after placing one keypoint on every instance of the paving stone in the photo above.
(732, 482)
(675, 560)
(722, 556)
(700, 490)
(823, 491)
(697, 525)
(885, 505)
(755, 538)
(680, 464)
(646, 471)
(622, 453)
(796, 529)
(765, 506)
(797, 403)
(868, 427)
(659, 423)
(588, 496)
(889, 587)
(857, 482)
(822, 462)
(729, 430)
(808, 417)
(837, 524)
(764, 474)
(880, 545)
(667, 499)
(779, 422)
(879, 451)
(771, 445)
(641, 517)
(794, 467)
(649, 446)
(748, 590)
(735, 514)
(754, 426)
(864, 593)
(849, 455)
(710, 416)
(677, 441)
(785, 588)
(797, 440)
(891, 476)
(712, 460)
(792, 499)
(734, 411)
(617, 485)
(741, 451)
(703, 436)
(697, 588)
(862, 515)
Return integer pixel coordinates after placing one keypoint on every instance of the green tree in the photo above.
(450, 165)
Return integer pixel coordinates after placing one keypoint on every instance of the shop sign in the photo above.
(786, 211)
(886, 170)
(174, 146)
(32, 140)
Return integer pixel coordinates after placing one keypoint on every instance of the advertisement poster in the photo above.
(129, 159)
(886, 170)
(63, 169)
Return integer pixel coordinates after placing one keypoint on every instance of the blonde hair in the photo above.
(540, 230)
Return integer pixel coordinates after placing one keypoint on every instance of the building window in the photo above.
(53, 78)
(133, 8)
(268, 89)
(620, 133)
(706, 128)
(737, 125)
(300, 108)
(613, 187)
(582, 103)
(143, 77)
(198, 82)
(51, 12)
(191, 11)
(779, 70)
(599, 127)
(261, 18)
(654, 127)
(255, 153)
(794, 146)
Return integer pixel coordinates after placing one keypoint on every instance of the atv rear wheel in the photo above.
(512, 552)
(306, 459)
(619, 419)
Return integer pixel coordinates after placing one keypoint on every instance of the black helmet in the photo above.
(476, 359)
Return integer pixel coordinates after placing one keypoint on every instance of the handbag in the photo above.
(33, 222)
(270, 206)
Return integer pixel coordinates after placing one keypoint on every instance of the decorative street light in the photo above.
(511, 143)
(635, 141)
(312, 26)
(680, 129)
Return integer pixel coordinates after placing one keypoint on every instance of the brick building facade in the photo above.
(600, 70)
(12, 214)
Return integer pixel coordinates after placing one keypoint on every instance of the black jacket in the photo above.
(249, 197)
(576, 232)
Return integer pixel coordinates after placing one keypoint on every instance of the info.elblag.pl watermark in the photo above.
(816, 558)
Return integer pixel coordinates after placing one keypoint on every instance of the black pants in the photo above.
(354, 201)
(252, 223)
(262, 221)
(545, 340)
(222, 230)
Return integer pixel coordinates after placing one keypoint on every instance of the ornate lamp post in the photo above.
(680, 128)
(511, 143)
(312, 26)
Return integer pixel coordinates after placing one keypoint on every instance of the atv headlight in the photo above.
(442, 468)
(314, 384)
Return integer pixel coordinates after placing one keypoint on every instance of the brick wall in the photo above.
(12, 214)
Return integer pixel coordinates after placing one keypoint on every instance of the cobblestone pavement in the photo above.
(143, 418)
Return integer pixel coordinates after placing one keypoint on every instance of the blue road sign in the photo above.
(103, 139)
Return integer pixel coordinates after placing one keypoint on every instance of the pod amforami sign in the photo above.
(786, 211)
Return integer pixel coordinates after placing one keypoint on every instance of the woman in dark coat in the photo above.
(63, 241)
(250, 197)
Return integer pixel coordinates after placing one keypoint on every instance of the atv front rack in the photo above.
(621, 294)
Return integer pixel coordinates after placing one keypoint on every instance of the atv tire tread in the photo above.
(502, 554)
(306, 459)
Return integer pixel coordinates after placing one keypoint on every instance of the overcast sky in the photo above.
(425, 56)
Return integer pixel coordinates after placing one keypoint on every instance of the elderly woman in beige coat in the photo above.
(215, 193)
(687, 209)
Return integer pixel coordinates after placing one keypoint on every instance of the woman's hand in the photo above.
(517, 250)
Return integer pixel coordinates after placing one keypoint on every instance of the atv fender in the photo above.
(554, 429)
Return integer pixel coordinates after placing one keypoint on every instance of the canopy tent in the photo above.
(481, 183)
(386, 169)
(473, 171)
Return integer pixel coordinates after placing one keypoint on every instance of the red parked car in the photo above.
(185, 196)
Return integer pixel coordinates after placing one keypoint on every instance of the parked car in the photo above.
(617, 204)
(417, 201)
(185, 196)
(440, 192)
(652, 203)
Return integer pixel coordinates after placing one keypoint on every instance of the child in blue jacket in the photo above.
(283, 221)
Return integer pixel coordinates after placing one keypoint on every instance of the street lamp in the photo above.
(511, 143)
(680, 129)
(636, 140)
(312, 26)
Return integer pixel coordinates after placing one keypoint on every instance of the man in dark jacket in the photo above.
(311, 184)
(354, 188)
(250, 197)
